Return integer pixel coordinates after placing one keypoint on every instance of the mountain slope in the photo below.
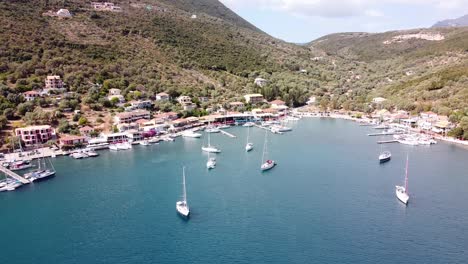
(457, 22)
(421, 69)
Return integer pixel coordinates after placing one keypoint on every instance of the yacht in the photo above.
(124, 146)
(381, 126)
(212, 130)
(20, 165)
(182, 206)
(402, 191)
(78, 155)
(144, 143)
(223, 126)
(385, 156)
(191, 134)
(113, 147)
(248, 124)
(266, 164)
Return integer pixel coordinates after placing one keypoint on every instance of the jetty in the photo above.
(384, 134)
(387, 141)
(14, 175)
(227, 134)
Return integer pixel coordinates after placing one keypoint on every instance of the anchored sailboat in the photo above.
(211, 163)
(209, 148)
(248, 145)
(182, 206)
(400, 191)
(266, 164)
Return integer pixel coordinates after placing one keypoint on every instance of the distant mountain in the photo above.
(457, 22)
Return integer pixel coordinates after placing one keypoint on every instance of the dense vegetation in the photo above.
(145, 50)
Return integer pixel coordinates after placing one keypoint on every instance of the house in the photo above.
(114, 91)
(130, 117)
(31, 95)
(278, 104)
(189, 107)
(203, 99)
(140, 104)
(72, 140)
(116, 137)
(105, 6)
(184, 100)
(428, 115)
(53, 82)
(64, 13)
(237, 105)
(378, 100)
(260, 82)
(134, 135)
(167, 116)
(253, 98)
(33, 135)
(162, 97)
(86, 131)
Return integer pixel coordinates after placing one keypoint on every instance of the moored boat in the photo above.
(182, 205)
(402, 191)
(385, 156)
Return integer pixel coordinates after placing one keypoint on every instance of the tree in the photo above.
(3, 121)
(83, 121)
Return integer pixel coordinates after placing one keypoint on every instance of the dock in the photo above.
(387, 141)
(227, 133)
(384, 134)
(14, 175)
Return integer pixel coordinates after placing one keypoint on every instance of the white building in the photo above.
(162, 97)
(184, 100)
(253, 98)
(260, 82)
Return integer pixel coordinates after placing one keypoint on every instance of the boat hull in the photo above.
(268, 165)
(383, 160)
(248, 147)
(182, 210)
(401, 194)
(211, 150)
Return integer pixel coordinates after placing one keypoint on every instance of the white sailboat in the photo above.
(209, 148)
(402, 192)
(384, 155)
(248, 145)
(266, 164)
(182, 206)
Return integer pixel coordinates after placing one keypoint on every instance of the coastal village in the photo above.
(131, 116)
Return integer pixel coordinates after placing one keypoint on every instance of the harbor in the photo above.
(131, 196)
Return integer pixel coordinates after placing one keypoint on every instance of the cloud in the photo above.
(341, 8)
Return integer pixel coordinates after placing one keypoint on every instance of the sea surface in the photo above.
(327, 201)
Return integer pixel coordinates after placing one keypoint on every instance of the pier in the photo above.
(14, 175)
(387, 141)
(227, 134)
(384, 134)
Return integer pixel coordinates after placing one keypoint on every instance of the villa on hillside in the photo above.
(253, 98)
(115, 93)
(140, 104)
(105, 6)
(260, 82)
(277, 104)
(31, 95)
(186, 103)
(86, 131)
(162, 97)
(130, 117)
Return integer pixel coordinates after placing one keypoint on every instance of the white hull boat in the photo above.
(182, 206)
(267, 164)
(212, 130)
(211, 163)
(248, 147)
(191, 134)
(385, 156)
(211, 149)
(401, 192)
(248, 124)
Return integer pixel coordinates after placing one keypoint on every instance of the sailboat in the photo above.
(182, 206)
(211, 163)
(248, 145)
(266, 164)
(402, 192)
(209, 148)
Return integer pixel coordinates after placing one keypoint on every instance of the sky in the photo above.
(301, 21)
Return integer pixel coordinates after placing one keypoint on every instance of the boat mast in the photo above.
(248, 135)
(183, 183)
(265, 146)
(406, 175)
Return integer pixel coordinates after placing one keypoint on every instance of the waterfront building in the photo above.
(130, 117)
(86, 131)
(278, 104)
(72, 140)
(33, 135)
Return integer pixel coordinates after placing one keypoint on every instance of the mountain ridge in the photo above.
(456, 22)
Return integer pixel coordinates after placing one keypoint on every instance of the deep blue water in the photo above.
(328, 201)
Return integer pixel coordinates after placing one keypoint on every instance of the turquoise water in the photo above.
(327, 201)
